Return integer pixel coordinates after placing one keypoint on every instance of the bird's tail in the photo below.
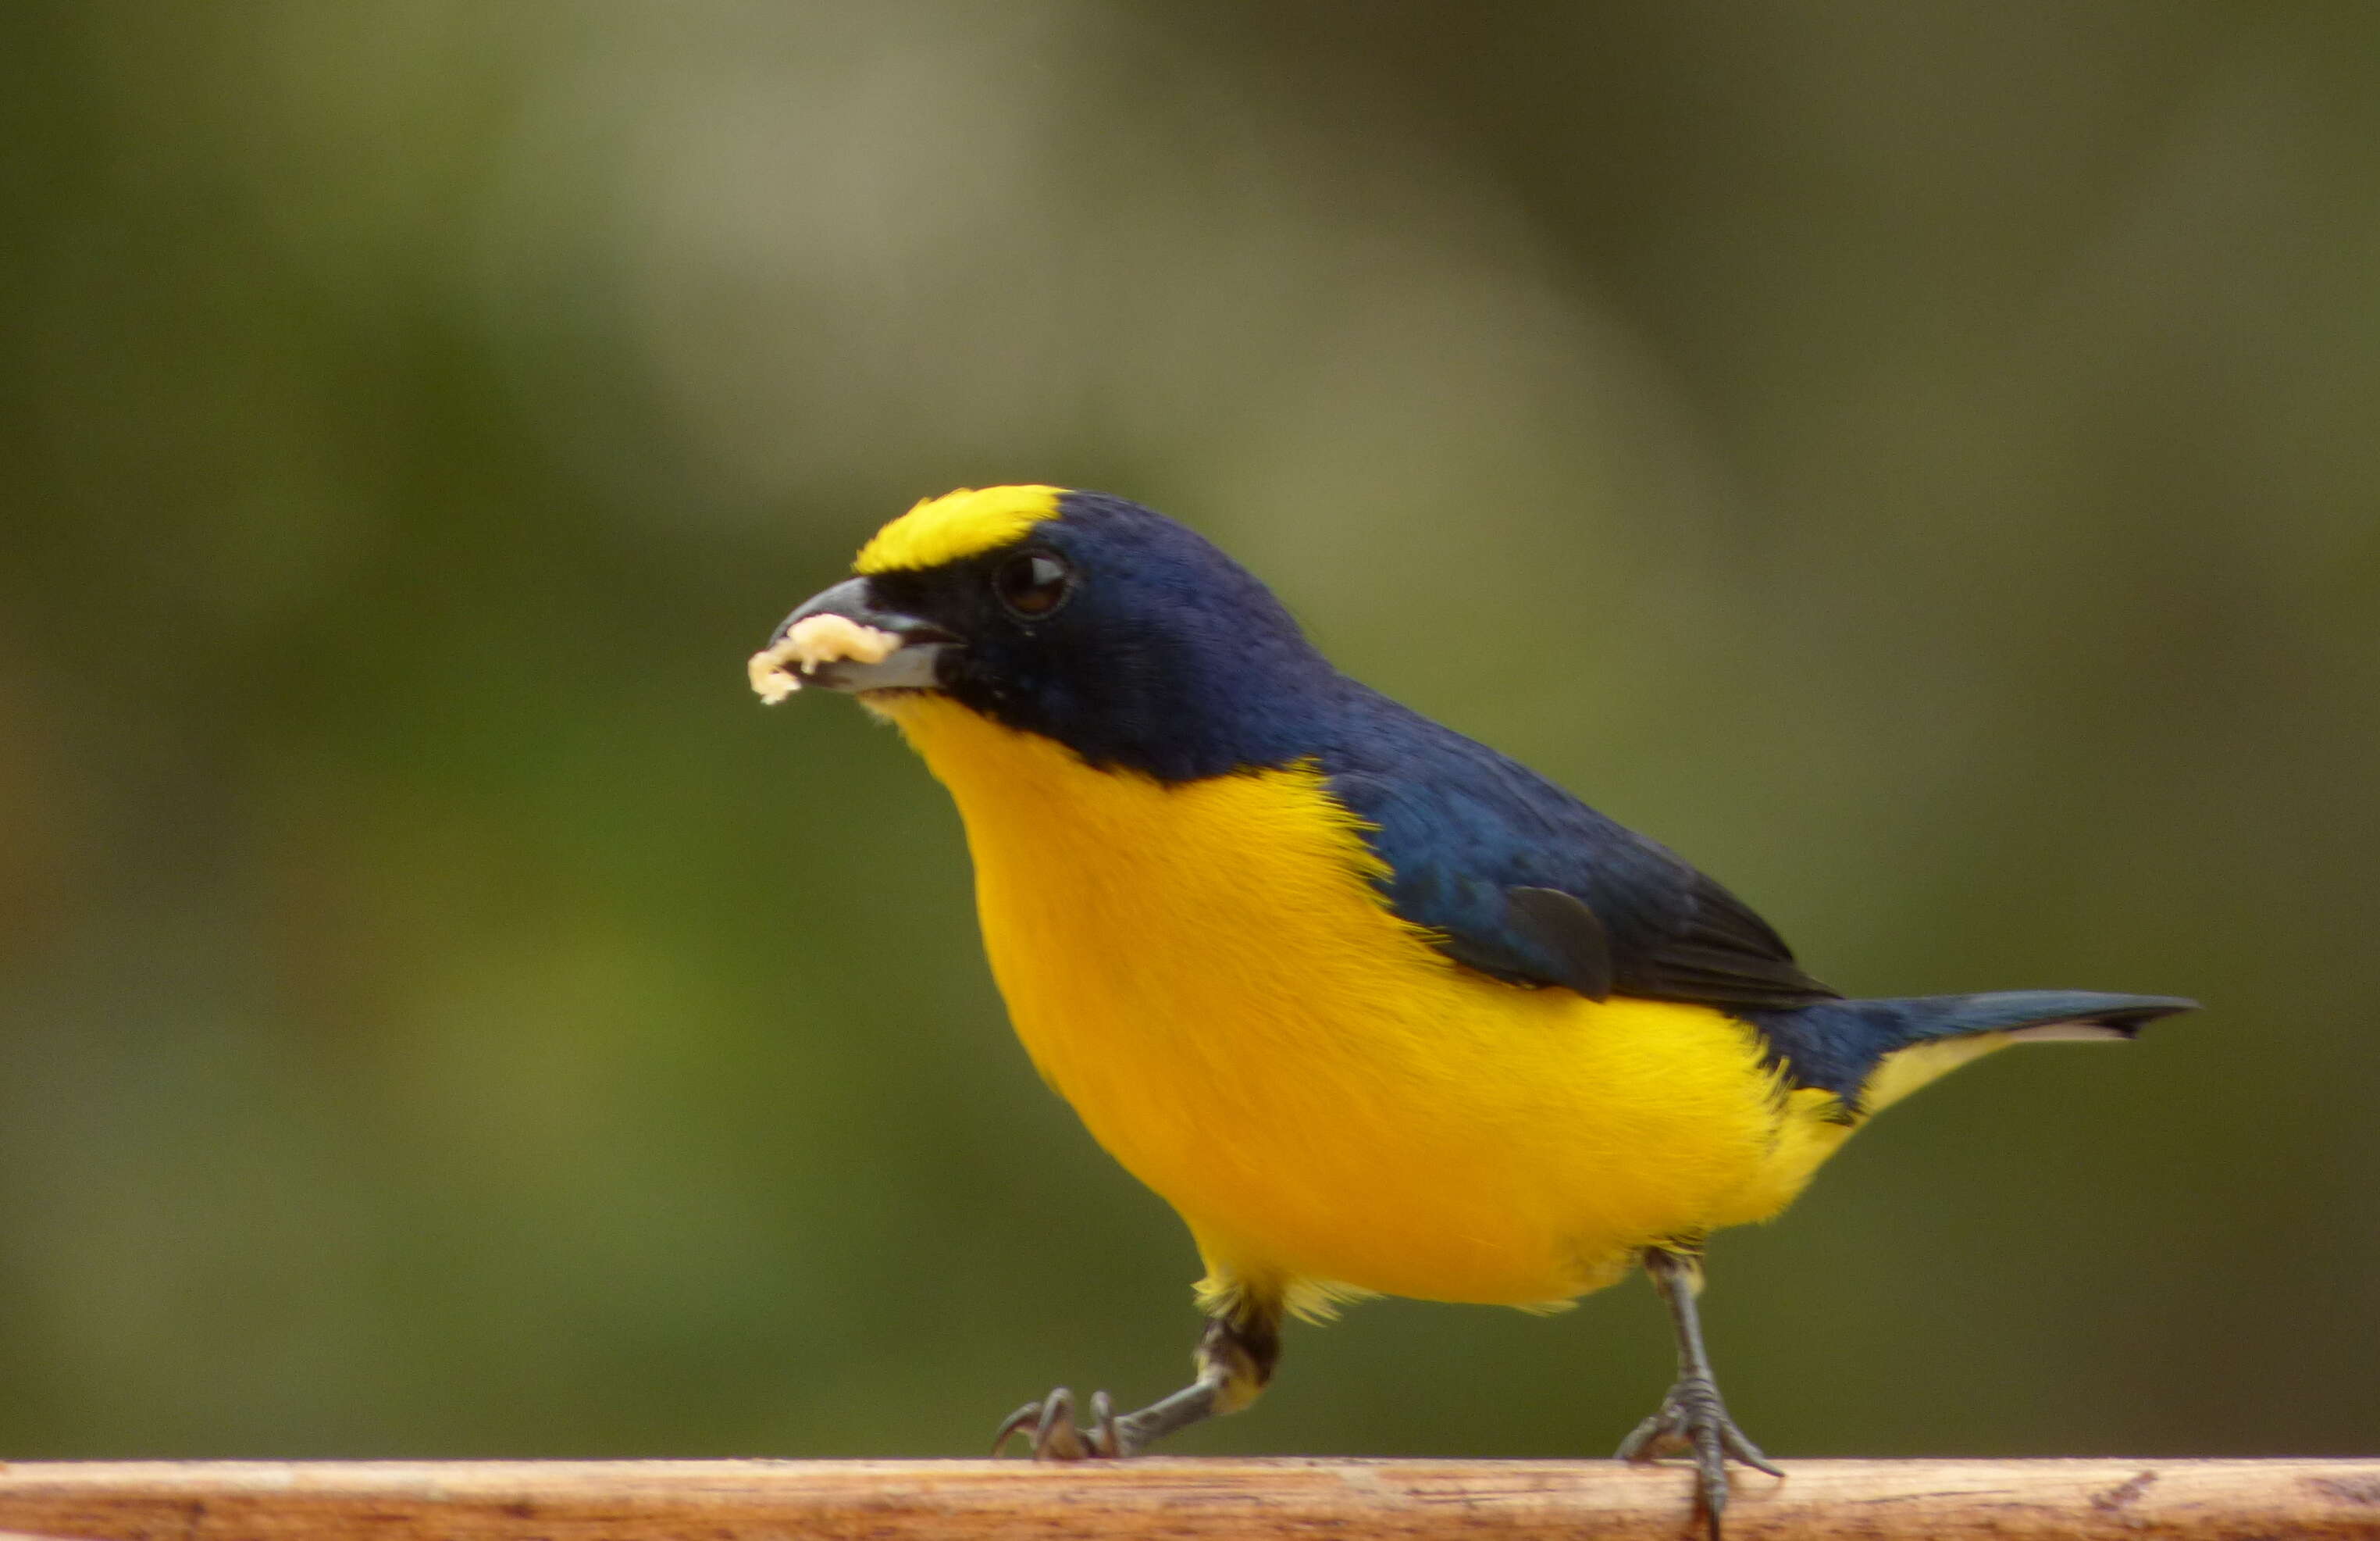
(1872, 1053)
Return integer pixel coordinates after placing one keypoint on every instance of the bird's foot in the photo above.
(1049, 1424)
(1693, 1420)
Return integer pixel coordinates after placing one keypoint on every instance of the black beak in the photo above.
(882, 649)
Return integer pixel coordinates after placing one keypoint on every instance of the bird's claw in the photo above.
(1693, 1420)
(1049, 1424)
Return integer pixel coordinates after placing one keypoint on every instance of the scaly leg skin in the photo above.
(1235, 1360)
(1692, 1419)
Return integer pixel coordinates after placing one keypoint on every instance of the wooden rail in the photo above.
(1172, 1497)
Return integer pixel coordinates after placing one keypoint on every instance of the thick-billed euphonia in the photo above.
(1376, 1008)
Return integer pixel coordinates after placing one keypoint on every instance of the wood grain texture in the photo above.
(1157, 1496)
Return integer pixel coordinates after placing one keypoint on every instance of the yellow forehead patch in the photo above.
(964, 523)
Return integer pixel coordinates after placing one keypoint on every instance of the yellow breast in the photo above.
(1207, 973)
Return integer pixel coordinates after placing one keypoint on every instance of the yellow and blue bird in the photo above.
(1376, 1009)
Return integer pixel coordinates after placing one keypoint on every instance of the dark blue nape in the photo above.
(1169, 658)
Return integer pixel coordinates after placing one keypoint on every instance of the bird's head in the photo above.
(1083, 617)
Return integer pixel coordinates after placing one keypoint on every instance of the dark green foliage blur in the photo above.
(1918, 461)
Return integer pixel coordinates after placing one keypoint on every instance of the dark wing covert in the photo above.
(1521, 881)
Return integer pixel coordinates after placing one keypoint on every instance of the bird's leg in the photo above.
(1235, 1359)
(1692, 1419)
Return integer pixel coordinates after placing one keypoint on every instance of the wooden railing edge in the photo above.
(1351, 1499)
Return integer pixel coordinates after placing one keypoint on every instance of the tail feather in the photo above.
(1870, 1053)
(2029, 1012)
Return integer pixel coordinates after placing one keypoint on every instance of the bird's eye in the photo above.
(1034, 584)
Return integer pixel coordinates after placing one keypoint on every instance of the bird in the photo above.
(1376, 1009)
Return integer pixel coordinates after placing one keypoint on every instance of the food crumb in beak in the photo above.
(815, 640)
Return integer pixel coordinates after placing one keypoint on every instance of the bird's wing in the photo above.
(1520, 880)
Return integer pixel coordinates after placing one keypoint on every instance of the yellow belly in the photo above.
(1205, 972)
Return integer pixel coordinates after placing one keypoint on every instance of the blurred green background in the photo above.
(1918, 461)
